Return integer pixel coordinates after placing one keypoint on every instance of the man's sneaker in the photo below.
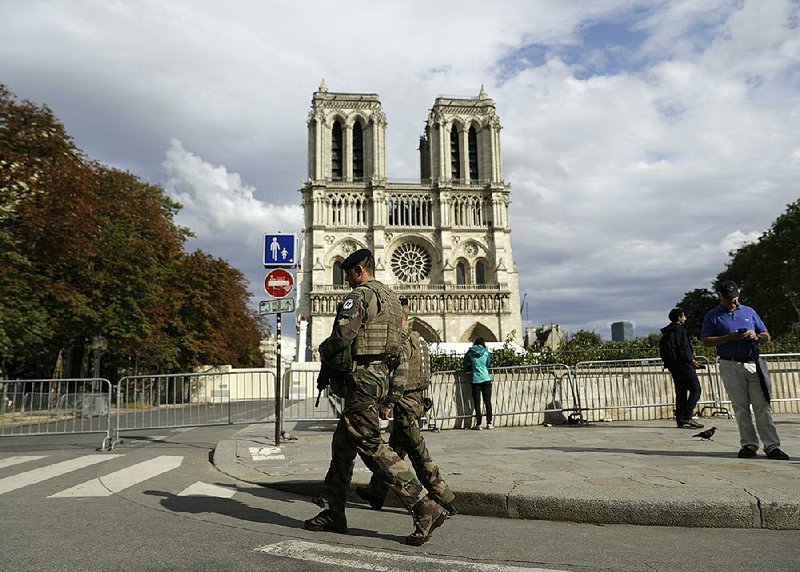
(490, 425)
(690, 424)
(428, 516)
(329, 521)
(477, 427)
(375, 501)
(777, 454)
(747, 452)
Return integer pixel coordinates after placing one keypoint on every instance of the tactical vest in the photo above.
(381, 334)
(419, 363)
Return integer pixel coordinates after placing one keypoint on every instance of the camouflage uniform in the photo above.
(406, 439)
(358, 431)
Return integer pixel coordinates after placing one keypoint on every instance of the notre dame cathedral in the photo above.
(444, 243)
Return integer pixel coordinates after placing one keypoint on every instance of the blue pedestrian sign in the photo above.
(280, 251)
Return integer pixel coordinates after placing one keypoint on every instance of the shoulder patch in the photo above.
(347, 304)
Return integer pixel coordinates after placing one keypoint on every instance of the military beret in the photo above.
(358, 256)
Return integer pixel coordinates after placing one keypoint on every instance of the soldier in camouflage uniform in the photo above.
(369, 328)
(406, 403)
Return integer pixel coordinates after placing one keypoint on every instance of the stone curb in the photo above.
(704, 507)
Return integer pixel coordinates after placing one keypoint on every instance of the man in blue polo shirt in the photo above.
(735, 330)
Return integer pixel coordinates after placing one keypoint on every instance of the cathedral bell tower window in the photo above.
(472, 141)
(337, 163)
(358, 152)
(455, 155)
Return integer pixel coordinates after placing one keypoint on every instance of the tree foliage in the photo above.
(88, 250)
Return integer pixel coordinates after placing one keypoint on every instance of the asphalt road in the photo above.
(156, 503)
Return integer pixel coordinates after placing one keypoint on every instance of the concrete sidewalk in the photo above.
(636, 472)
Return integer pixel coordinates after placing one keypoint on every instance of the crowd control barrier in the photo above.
(521, 395)
(55, 406)
(638, 389)
(193, 399)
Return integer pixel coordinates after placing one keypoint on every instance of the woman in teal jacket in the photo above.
(477, 362)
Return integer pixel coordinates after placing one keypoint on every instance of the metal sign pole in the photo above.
(278, 420)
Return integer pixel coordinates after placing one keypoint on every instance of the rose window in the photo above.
(411, 263)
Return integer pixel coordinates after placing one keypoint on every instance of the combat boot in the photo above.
(329, 521)
(428, 516)
(375, 501)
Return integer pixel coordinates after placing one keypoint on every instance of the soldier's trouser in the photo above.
(406, 439)
(358, 432)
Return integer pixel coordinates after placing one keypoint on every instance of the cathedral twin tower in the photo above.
(444, 243)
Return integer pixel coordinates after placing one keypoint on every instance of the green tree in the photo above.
(696, 304)
(768, 272)
(88, 250)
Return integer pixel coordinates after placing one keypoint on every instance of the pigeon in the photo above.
(707, 434)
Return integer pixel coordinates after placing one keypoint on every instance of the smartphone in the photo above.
(742, 330)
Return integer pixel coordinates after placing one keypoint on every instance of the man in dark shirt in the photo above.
(680, 362)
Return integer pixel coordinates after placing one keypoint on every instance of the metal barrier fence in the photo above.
(48, 406)
(300, 391)
(637, 389)
(784, 374)
(193, 399)
(521, 395)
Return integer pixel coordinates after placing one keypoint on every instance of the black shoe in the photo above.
(690, 424)
(747, 452)
(777, 454)
(328, 521)
(451, 509)
(366, 493)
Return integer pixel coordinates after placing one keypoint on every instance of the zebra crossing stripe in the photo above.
(15, 482)
(11, 461)
(120, 480)
(357, 558)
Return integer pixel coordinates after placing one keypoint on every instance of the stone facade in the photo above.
(445, 242)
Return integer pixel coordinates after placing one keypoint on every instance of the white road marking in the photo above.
(356, 558)
(42, 474)
(201, 489)
(266, 454)
(120, 480)
(184, 429)
(11, 461)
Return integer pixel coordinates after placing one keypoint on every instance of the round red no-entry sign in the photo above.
(279, 283)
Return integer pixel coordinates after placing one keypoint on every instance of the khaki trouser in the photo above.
(744, 389)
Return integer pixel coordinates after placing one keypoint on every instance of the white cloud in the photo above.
(227, 219)
(634, 168)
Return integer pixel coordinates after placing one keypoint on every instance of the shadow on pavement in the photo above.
(721, 455)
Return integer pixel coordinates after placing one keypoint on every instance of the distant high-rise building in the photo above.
(621, 331)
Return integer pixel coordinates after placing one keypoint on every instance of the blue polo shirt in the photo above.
(720, 322)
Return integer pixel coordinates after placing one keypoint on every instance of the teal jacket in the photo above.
(477, 362)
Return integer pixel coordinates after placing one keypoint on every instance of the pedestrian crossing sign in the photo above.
(280, 251)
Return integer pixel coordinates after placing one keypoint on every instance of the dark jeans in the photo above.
(687, 391)
(484, 389)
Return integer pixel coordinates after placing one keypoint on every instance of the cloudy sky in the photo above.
(643, 140)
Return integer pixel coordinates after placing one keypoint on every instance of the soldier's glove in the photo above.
(393, 362)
